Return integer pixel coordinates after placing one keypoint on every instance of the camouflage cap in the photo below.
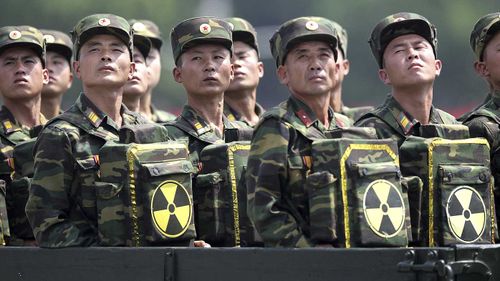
(147, 29)
(243, 31)
(194, 31)
(58, 42)
(102, 24)
(484, 29)
(397, 25)
(342, 37)
(23, 35)
(143, 44)
(300, 30)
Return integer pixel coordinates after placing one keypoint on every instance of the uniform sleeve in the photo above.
(50, 204)
(267, 182)
(482, 127)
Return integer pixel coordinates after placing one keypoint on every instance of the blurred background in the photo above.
(457, 90)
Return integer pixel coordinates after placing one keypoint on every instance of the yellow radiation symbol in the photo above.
(14, 35)
(466, 214)
(384, 208)
(311, 25)
(171, 209)
(205, 28)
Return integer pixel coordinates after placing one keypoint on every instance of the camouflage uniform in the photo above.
(484, 121)
(62, 202)
(233, 115)
(280, 154)
(151, 31)
(13, 133)
(392, 121)
(161, 116)
(352, 113)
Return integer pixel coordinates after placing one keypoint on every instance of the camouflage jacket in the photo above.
(193, 129)
(161, 116)
(233, 115)
(354, 113)
(11, 134)
(62, 202)
(279, 162)
(391, 121)
(485, 122)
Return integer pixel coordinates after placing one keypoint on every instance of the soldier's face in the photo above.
(310, 69)
(104, 62)
(22, 74)
(247, 68)
(138, 85)
(489, 68)
(154, 64)
(205, 70)
(409, 61)
(60, 76)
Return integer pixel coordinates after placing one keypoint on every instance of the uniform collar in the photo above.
(232, 115)
(405, 120)
(307, 116)
(94, 115)
(198, 123)
(10, 124)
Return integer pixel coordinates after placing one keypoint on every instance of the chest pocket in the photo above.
(83, 191)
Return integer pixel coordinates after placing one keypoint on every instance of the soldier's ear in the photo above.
(45, 74)
(481, 69)
(345, 66)
(260, 67)
(384, 77)
(76, 68)
(231, 75)
(131, 70)
(282, 74)
(439, 65)
(177, 73)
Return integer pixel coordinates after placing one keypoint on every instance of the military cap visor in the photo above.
(148, 29)
(89, 33)
(201, 30)
(143, 44)
(484, 29)
(247, 38)
(58, 42)
(380, 40)
(24, 37)
(327, 38)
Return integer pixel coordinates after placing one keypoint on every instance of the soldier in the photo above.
(150, 30)
(138, 86)
(59, 52)
(202, 49)
(336, 99)
(62, 203)
(305, 50)
(405, 45)
(240, 100)
(485, 121)
(22, 68)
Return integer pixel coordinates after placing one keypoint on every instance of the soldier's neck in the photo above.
(145, 105)
(108, 100)
(51, 106)
(336, 99)
(416, 102)
(26, 112)
(319, 104)
(132, 102)
(210, 107)
(243, 102)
